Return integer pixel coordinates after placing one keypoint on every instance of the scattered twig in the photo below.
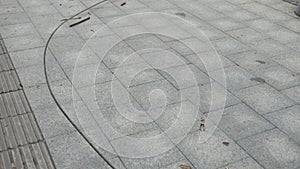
(79, 22)
(260, 61)
(124, 3)
(258, 79)
(70, 19)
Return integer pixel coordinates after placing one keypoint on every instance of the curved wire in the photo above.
(51, 92)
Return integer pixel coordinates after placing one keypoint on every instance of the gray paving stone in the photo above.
(71, 151)
(45, 25)
(53, 123)
(108, 11)
(262, 25)
(291, 24)
(9, 81)
(284, 35)
(142, 94)
(290, 61)
(23, 42)
(104, 96)
(65, 52)
(40, 10)
(213, 33)
(236, 78)
(272, 149)
(246, 163)
(141, 43)
(39, 97)
(279, 77)
(17, 18)
(8, 31)
(287, 120)
(226, 24)
(27, 58)
(246, 35)
(180, 47)
(229, 46)
(115, 118)
(224, 6)
(271, 47)
(137, 74)
(253, 60)
(293, 93)
(264, 99)
(161, 59)
(205, 97)
(242, 15)
(118, 54)
(185, 76)
(177, 165)
(158, 161)
(197, 61)
(88, 75)
(213, 153)
(266, 12)
(240, 121)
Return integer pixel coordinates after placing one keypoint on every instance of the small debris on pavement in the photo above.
(124, 3)
(185, 166)
(260, 61)
(69, 19)
(79, 22)
(226, 168)
(202, 124)
(226, 143)
(258, 79)
(180, 14)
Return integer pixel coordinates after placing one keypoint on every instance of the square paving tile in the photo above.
(279, 77)
(273, 149)
(247, 163)
(229, 46)
(252, 60)
(205, 100)
(239, 121)
(290, 61)
(211, 154)
(71, 151)
(293, 93)
(287, 120)
(271, 47)
(264, 99)
(161, 59)
(185, 76)
(236, 78)
(159, 161)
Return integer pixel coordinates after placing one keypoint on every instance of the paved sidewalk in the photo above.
(257, 40)
(22, 144)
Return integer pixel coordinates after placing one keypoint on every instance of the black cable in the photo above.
(51, 92)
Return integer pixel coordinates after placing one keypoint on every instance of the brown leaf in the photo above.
(185, 166)
(226, 143)
(202, 127)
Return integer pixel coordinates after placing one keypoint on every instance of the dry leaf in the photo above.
(185, 166)
(226, 143)
(202, 127)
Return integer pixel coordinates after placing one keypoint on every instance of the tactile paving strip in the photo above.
(9, 81)
(22, 145)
